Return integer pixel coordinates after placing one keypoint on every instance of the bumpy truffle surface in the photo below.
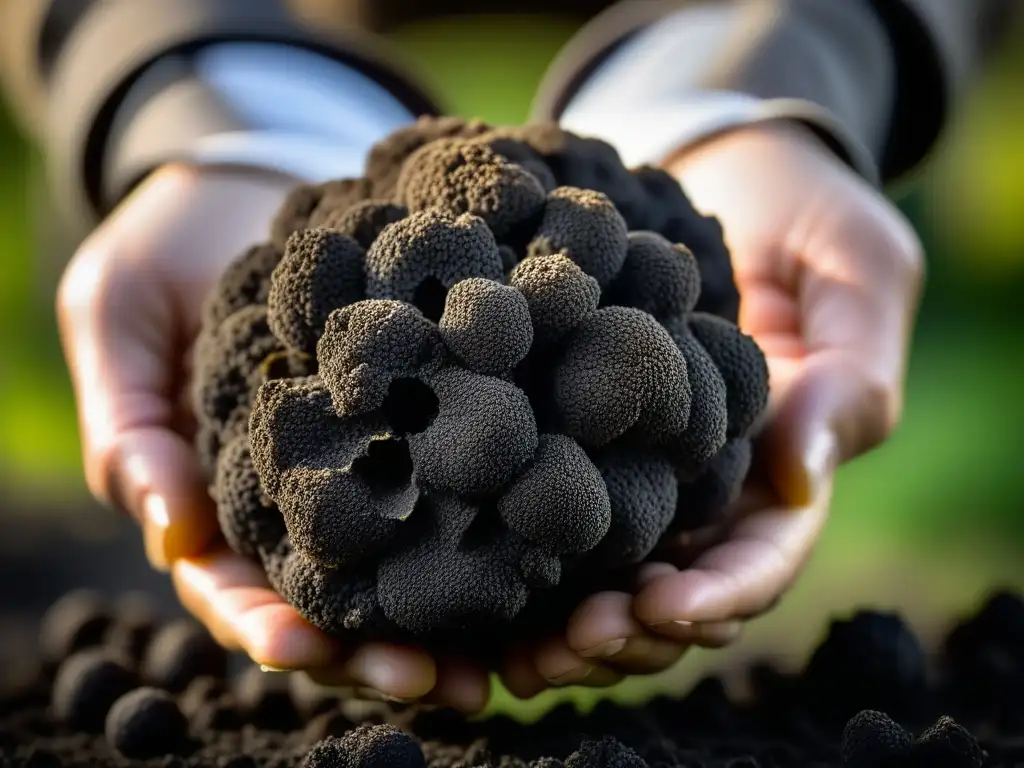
(146, 723)
(464, 177)
(871, 739)
(586, 227)
(321, 270)
(369, 746)
(499, 366)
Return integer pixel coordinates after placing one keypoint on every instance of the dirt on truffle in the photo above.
(869, 697)
(458, 392)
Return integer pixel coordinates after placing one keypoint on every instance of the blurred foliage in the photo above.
(925, 523)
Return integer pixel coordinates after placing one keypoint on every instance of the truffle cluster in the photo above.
(499, 360)
(868, 698)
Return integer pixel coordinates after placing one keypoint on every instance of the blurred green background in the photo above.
(927, 523)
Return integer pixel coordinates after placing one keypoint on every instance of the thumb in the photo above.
(118, 330)
(830, 411)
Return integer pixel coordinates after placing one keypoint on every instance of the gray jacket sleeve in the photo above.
(876, 79)
(68, 65)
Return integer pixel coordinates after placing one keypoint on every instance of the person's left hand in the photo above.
(829, 274)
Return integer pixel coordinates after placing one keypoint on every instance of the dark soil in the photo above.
(168, 698)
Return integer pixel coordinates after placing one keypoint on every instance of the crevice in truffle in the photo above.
(410, 406)
(386, 467)
(430, 297)
(485, 529)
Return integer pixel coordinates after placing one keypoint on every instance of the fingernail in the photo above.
(375, 668)
(372, 694)
(803, 482)
(819, 462)
(574, 675)
(605, 650)
(267, 668)
(682, 624)
(156, 520)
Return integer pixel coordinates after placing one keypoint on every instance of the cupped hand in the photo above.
(129, 309)
(829, 274)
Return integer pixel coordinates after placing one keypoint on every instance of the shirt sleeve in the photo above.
(875, 79)
(79, 61)
(257, 105)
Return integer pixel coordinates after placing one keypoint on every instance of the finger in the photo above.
(519, 674)
(117, 329)
(744, 574)
(712, 634)
(461, 684)
(603, 629)
(858, 294)
(230, 595)
(398, 672)
(559, 664)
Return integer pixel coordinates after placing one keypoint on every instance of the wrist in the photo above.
(764, 139)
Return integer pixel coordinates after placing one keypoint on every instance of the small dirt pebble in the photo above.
(146, 723)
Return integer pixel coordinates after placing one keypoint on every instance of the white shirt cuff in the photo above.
(650, 134)
(311, 117)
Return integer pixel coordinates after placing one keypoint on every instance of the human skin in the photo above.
(829, 274)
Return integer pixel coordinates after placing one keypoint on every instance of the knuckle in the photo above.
(83, 279)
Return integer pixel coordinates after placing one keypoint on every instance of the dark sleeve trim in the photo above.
(115, 43)
(59, 21)
(922, 90)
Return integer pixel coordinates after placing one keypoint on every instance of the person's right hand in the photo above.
(129, 309)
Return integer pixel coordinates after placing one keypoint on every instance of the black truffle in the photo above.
(643, 494)
(873, 740)
(742, 365)
(621, 371)
(86, 686)
(583, 225)
(337, 601)
(876, 659)
(607, 753)
(146, 723)
(462, 177)
(674, 216)
(321, 271)
(560, 502)
(245, 281)
(364, 221)
(343, 488)
(707, 499)
(458, 571)
(180, 652)
(387, 157)
(249, 520)
(659, 277)
(559, 294)
(369, 746)
(418, 259)
(368, 347)
(483, 434)
(708, 424)
(947, 744)
(77, 621)
(477, 373)
(487, 325)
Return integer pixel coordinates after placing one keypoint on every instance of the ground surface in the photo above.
(107, 682)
